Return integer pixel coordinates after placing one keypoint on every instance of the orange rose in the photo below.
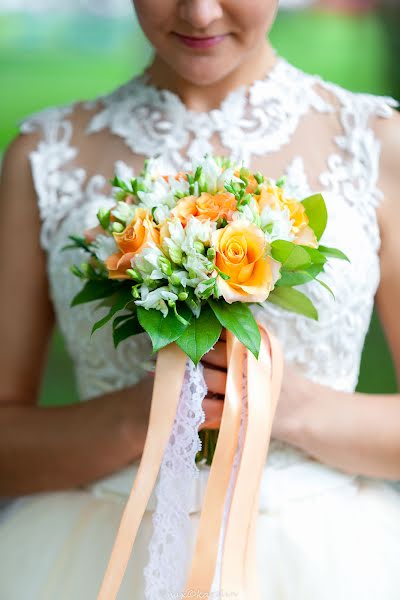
(140, 232)
(216, 206)
(206, 206)
(184, 209)
(241, 254)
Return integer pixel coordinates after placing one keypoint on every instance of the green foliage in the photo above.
(317, 258)
(291, 256)
(119, 301)
(163, 330)
(78, 242)
(326, 286)
(294, 301)
(200, 335)
(292, 278)
(238, 319)
(124, 327)
(332, 253)
(95, 290)
(317, 214)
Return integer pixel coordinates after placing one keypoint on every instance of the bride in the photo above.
(329, 514)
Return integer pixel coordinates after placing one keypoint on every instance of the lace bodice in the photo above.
(320, 135)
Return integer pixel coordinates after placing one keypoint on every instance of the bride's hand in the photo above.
(294, 393)
(215, 365)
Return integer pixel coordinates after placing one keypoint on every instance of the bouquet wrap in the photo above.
(238, 573)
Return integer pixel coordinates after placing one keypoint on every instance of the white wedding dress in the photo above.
(322, 534)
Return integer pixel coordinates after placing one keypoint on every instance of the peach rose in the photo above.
(216, 206)
(140, 232)
(241, 253)
(185, 208)
(206, 206)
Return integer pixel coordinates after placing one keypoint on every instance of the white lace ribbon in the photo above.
(169, 550)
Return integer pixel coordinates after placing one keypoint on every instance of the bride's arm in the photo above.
(358, 433)
(58, 447)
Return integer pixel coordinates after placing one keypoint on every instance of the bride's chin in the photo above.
(203, 71)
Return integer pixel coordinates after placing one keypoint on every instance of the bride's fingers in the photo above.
(216, 356)
(215, 380)
(213, 410)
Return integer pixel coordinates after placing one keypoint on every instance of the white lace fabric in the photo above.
(168, 549)
(271, 125)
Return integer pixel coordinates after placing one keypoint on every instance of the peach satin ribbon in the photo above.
(239, 571)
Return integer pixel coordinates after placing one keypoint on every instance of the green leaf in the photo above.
(292, 278)
(238, 318)
(200, 335)
(120, 300)
(293, 301)
(333, 253)
(317, 214)
(326, 286)
(293, 257)
(79, 242)
(94, 290)
(162, 330)
(119, 320)
(317, 258)
(125, 327)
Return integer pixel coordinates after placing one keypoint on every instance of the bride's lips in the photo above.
(201, 43)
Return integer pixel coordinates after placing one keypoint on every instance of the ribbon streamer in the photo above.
(239, 573)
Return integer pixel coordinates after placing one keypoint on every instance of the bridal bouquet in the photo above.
(184, 255)
(180, 257)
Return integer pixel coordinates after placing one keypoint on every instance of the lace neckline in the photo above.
(253, 120)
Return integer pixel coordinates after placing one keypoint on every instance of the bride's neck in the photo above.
(207, 97)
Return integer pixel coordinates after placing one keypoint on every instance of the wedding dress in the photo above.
(322, 534)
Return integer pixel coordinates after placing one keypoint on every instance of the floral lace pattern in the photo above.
(168, 551)
(153, 121)
(256, 123)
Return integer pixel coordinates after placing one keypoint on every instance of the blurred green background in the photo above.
(48, 59)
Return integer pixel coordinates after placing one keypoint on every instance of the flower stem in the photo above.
(209, 439)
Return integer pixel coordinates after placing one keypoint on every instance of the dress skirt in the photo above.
(322, 535)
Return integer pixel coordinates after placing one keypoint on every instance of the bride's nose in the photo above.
(200, 13)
